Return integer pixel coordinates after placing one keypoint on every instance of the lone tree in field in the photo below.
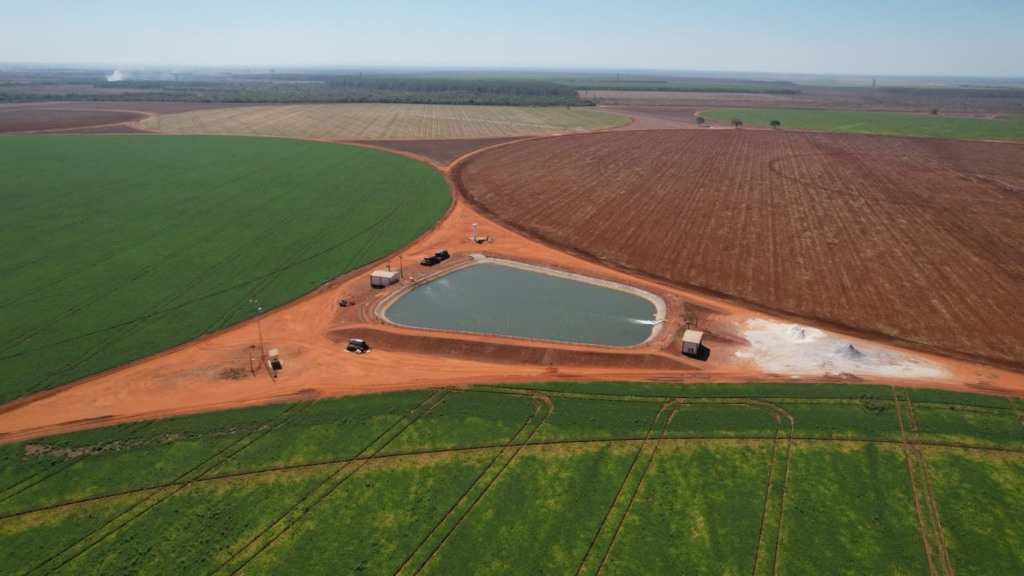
(736, 122)
(775, 123)
(700, 120)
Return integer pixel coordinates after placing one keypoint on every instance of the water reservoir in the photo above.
(511, 299)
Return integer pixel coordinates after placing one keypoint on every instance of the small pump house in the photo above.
(692, 341)
(382, 278)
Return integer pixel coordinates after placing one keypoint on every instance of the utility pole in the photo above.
(259, 328)
(401, 268)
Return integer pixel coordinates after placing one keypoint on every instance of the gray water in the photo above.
(497, 299)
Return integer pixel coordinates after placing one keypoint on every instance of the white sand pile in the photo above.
(803, 351)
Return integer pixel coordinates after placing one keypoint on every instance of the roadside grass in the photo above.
(114, 248)
(560, 477)
(1010, 127)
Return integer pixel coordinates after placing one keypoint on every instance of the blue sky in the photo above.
(868, 37)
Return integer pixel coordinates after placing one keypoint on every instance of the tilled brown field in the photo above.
(909, 239)
(88, 117)
(38, 119)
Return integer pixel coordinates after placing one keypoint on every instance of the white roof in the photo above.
(693, 336)
(384, 274)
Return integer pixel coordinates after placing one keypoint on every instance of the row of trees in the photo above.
(332, 90)
(736, 122)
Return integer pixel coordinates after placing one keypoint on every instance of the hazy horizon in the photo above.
(903, 38)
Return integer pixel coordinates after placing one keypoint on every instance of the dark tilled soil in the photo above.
(914, 241)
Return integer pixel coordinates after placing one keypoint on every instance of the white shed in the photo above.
(381, 278)
(691, 342)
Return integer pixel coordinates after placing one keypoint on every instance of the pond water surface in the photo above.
(491, 298)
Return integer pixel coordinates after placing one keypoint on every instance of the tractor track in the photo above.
(106, 529)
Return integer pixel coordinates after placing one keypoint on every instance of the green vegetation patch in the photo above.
(576, 477)
(113, 248)
(553, 499)
(373, 522)
(707, 499)
(881, 123)
(465, 419)
(850, 510)
(326, 432)
(978, 495)
(35, 540)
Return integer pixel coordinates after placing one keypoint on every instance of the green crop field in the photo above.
(1009, 127)
(113, 248)
(563, 478)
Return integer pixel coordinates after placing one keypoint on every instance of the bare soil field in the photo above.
(38, 119)
(904, 239)
(87, 117)
(383, 121)
(661, 117)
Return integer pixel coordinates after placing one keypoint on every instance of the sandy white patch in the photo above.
(801, 350)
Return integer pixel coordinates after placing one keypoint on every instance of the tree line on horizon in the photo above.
(354, 89)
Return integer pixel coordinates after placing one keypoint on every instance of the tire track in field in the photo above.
(625, 481)
(283, 523)
(636, 489)
(43, 475)
(907, 453)
(466, 503)
(933, 507)
(1016, 412)
(479, 447)
(140, 507)
(773, 411)
(779, 413)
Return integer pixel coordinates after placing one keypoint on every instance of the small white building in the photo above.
(691, 342)
(382, 278)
